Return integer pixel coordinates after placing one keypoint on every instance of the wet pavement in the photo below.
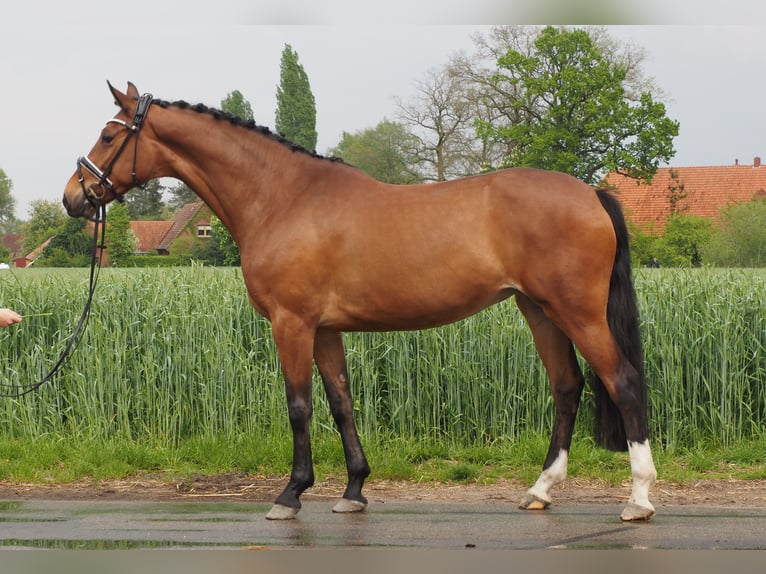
(122, 525)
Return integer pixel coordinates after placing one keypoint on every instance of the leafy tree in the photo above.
(47, 218)
(208, 251)
(381, 152)
(180, 194)
(221, 249)
(7, 204)
(145, 203)
(235, 103)
(491, 94)
(119, 237)
(739, 239)
(71, 247)
(643, 246)
(574, 114)
(684, 240)
(224, 242)
(296, 108)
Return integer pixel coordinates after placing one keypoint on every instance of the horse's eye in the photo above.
(106, 139)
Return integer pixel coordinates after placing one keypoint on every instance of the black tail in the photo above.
(622, 316)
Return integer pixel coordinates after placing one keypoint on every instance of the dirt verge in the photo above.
(718, 492)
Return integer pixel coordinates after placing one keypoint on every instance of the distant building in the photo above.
(178, 236)
(29, 258)
(701, 191)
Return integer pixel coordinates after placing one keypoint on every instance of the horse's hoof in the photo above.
(282, 512)
(346, 505)
(634, 513)
(532, 502)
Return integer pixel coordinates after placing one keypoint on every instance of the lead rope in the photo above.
(99, 226)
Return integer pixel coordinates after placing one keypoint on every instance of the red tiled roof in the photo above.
(706, 189)
(149, 233)
(35, 253)
(183, 217)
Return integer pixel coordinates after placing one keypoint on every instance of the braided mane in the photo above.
(247, 124)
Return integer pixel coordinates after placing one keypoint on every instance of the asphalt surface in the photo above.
(123, 525)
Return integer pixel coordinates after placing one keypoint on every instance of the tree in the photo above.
(47, 218)
(119, 237)
(235, 103)
(145, 203)
(739, 237)
(180, 194)
(71, 247)
(7, 204)
(441, 117)
(642, 245)
(381, 152)
(572, 111)
(225, 243)
(296, 108)
(684, 240)
(221, 248)
(676, 192)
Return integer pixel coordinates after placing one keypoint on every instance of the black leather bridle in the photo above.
(104, 183)
(12, 390)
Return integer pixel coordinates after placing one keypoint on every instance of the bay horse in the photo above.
(326, 249)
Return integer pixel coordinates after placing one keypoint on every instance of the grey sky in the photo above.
(55, 99)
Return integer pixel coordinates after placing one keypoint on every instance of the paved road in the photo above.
(111, 525)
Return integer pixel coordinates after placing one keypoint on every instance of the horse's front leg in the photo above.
(331, 361)
(294, 342)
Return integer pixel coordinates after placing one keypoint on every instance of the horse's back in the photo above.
(397, 257)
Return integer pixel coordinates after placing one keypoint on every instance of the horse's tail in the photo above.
(622, 317)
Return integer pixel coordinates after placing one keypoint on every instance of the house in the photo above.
(701, 191)
(178, 236)
(29, 258)
(192, 222)
(149, 234)
(190, 225)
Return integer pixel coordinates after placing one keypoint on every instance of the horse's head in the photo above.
(111, 168)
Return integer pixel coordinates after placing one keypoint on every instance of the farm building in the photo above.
(701, 191)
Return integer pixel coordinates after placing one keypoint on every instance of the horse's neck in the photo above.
(237, 172)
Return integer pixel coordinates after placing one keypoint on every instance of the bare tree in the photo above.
(448, 107)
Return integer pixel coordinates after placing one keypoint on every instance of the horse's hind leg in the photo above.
(567, 381)
(624, 385)
(331, 361)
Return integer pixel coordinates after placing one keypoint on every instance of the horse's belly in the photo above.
(410, 313)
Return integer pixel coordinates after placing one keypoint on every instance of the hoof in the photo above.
(346, 505)
(532, 502)
(281, 512)
(634, 513)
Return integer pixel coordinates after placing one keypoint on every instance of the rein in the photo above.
(99, 226)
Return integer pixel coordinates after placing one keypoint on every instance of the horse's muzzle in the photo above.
(78, 207)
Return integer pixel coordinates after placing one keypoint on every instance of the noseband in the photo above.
(104, 183)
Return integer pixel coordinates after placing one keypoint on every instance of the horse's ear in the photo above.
(133, 90)
(120, 99)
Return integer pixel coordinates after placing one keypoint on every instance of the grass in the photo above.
(56, 461)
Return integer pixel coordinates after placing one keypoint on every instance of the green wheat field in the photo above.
(178, 359)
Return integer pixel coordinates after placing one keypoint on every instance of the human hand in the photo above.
(8, 317)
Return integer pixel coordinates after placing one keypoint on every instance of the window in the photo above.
(204, 230)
